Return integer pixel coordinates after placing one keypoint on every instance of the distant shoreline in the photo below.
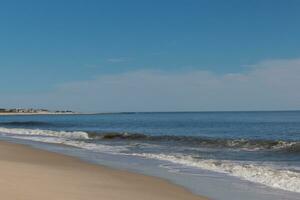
(142, 112)
(37, 113)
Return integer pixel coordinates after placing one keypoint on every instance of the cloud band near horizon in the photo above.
(268, 85)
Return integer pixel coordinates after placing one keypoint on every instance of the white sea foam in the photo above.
(80, 144)
(266, 175)
(72, 138)
(49, 133)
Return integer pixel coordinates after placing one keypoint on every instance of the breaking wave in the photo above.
(244, 144)
(266, 175)
(25, 123)
(77, 135)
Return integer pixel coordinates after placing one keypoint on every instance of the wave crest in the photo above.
(25, 123)
(246, 144)
(49, 133)
(282, 179)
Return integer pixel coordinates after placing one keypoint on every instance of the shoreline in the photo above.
(30, 173)
(139, 112)
(38, 113)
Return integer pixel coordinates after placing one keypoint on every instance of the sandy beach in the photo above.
(31, 174)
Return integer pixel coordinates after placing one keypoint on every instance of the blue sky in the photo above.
(46, 45)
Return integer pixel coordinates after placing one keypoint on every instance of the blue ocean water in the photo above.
(260, 148)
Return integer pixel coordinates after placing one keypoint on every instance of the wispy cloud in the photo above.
(118, 60)
(269, 85)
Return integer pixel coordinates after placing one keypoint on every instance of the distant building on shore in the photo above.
(31, 110)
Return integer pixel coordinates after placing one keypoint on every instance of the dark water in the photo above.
(262, 147)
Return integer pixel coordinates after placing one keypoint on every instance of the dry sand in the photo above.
(31, 174)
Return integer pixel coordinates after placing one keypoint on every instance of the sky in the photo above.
(138, 55)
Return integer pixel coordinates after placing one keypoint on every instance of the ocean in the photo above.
(223, 155)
